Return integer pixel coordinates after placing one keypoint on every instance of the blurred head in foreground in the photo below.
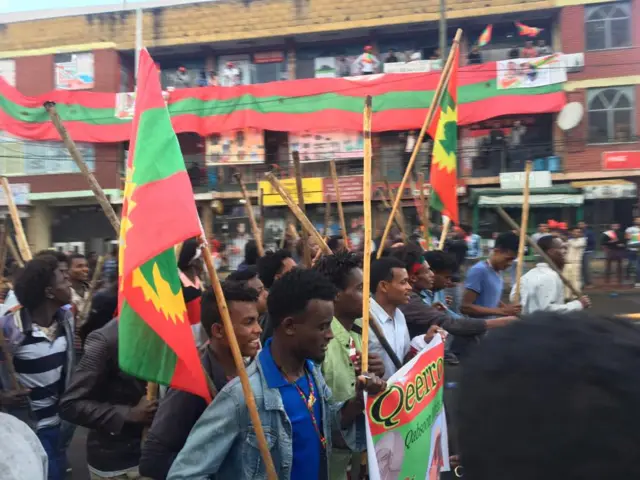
(553, 397)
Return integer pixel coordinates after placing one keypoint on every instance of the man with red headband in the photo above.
(367, 63)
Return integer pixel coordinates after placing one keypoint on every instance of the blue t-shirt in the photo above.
(486, 282)
(306, 442)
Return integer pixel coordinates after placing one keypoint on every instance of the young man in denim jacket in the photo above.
(293, 400)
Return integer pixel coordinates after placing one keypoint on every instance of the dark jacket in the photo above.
(420, 317)
(99, 398)
(591, 240)
(178, 413)
(617, 243)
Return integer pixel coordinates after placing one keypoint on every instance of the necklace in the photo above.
(309, 402)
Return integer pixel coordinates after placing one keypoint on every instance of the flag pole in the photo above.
(523, 230)
(366, 261)
(239, 362)
(399, 216)
(336, 187)
(307, 226)
(299, 189)
(252, 219)
(425, 213)
(445, 232)
(429, 118)
(21, 238)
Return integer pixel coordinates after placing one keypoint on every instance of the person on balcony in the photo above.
(529, 51)
(367, 63)
(474, 57)
(543, 48)
(391, 57)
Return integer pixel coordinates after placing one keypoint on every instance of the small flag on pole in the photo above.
(485, 36)
(526, 31)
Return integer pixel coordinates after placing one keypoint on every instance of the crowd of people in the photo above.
(299, 329)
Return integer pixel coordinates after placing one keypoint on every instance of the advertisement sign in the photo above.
(621, 160)
(516, 180)
(126, 104)
(322, 147)
(244, 146)
(76, 74)
(311, 188)
(268, 57)
(20, 193)
(8, 71)
(406, 424)
(531, 72)
(416, 66)
(610, 192)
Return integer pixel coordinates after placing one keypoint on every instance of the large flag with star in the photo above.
(155, 342)
(444, 131)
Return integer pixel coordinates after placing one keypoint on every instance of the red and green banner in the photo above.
(155, 341)
(444, 131)
(406, 424)
(317, 104)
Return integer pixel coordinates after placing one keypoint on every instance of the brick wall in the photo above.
(580, 156)
(35, 76)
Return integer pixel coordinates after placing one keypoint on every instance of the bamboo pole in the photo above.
(4, 233)
(307, 226)
(399, 215)
(366, 267)
(252, 218)
(336, 187)
(97, 273)
(523, 231)
(445, 232)
(299, 189)
(14, 251)
(50, 107)
(425, 213)
(262, 218)
(505, 216)
(21, 238)
(429, 118)
(239, 362)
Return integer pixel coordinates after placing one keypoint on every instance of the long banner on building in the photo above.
(400, 102)
(406, 424)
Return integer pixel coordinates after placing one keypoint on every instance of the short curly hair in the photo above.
(292, 292)
(270, 265)
(31, 284)
(552, 396)
(338, 266)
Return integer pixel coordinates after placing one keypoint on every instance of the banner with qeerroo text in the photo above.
(406, 424)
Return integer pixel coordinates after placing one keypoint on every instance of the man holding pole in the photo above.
(541, 288)
(293, 400)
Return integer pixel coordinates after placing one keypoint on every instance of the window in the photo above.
(611, 114)
(608, 26)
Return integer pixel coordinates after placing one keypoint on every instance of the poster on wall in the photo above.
(126, 104)
(8, 71)
(335, 67)
(75, 74)
(322, 147)
(531, 72)
(244, 146)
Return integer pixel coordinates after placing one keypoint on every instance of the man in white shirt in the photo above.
(390, 288)
(367, 63)
(541, 288)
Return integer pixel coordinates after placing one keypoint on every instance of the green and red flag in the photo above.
(444, 132)
(485, 36)
(155, 341)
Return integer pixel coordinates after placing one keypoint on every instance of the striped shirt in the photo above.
(39, 363)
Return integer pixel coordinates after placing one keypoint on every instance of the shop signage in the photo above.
(515, 180)
(20, 192)
(268, 57)
(621, 160)
(325, 146)
(415, 66)
(606, 192)
(311, 188)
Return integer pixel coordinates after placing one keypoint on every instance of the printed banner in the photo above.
(76, 74)
(8, 71)
(531, 72)
(322, 147)
(240, 147)
(415, 66)
(126, 104)
(406, 424)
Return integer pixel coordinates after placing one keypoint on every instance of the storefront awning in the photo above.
(607, 189)
(546, 201)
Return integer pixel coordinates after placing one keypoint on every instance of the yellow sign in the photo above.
(311, 187)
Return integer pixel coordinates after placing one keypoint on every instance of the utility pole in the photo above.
(138, 38)
(443, 32)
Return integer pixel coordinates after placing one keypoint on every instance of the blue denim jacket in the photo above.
(223, 443)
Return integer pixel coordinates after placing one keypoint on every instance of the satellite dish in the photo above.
(570, 116)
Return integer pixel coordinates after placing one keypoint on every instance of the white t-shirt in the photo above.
(22, 456)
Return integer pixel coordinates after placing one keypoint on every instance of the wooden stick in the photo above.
(14, 251)
(427, 121)
(21, 238)
(97, 273)
(424, 214)
(305, 236)
(523, 231)
(262, 218)
(4, 234)
(307, 226)
(336, 187)
(445, 231)
(505, 216)
(399, 216)
(50, 107)
(366, 267)
(239, 362)
(252, 219)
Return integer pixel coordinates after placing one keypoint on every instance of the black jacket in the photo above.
(178, 413)
(99, 398)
